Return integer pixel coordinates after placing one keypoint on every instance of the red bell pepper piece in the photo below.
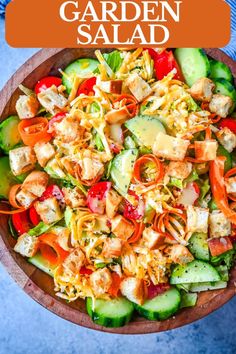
(229, 123)
(21, 222)
(154, 290)
(85, 271)
(86, 87)
(34, 216)
(164, 63)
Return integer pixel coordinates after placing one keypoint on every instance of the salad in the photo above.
(119, 180)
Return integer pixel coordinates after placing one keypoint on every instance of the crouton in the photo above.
(101, 281)
(118, 116)
(63, 236)
(52, 100)
(73, 197)
(112, 248)
(221, 105)
(44, 152)
(22, 160)
(133, 289)
(122, 228)
(180, 254)
(36, 183)
(230, 184)
(25, 198)
(180, 170)
(74, 261)
(49, 210)
(68, 130)
(197, 219)
(102, 225)
(138, 87)
(169, 147)
(27, 107)
(27, 245)
(219, 225)
(152, 239)
(54, 169)
(227, 138)
(91, 165)
(205, 150)
(113, 200)
(112, 86)
(202, 90)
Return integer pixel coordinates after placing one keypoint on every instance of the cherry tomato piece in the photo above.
(46, 83)
(134, 212)
(56, 119)
(220, 245)
(96, 199)
(86, 87)
(53, 191)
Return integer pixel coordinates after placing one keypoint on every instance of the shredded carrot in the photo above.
(139, 227)
(115, 286)
(12, 196)
(230, 173)
(51, 250)
(141, 162)
(168, 224)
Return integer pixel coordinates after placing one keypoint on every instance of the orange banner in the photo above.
(100, 23)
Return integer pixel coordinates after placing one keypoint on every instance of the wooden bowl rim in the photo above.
(141, 326)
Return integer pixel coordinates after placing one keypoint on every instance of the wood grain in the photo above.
(39, 285)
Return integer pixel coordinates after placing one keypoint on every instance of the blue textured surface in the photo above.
(27, 328)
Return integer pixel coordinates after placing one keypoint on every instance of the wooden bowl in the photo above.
(39, 285)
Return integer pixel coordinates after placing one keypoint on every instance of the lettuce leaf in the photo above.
(114, 60)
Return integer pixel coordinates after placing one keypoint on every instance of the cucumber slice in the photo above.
(129, 143)
(220, 70)
(41, 263)
(184, 287)
(194, 272)
(9, 134)
(160, 307)
(113, 313)
(122, 169)
(225, 88)
(145, 129)
(198, 287)
(7, 178)
(80, 67)
(221, 151)
(223, 271)
(194, 64)
(198, 246)
(188, 299)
